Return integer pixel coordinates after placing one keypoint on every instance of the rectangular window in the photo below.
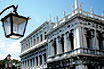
(37, 39)
(55, 47)
(45, 35)
(45, 57)
(41, 37)
(34, 41)
(36, 61)
(40, 60)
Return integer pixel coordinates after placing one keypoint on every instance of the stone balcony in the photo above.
(78, 51)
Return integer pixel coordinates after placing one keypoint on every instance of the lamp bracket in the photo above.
(12, 6)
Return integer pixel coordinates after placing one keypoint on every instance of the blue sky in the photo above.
(39, 11)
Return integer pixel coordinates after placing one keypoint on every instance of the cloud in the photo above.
(12, 48)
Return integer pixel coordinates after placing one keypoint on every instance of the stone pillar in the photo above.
(96, 40)
(22, 63)
(26, 64)
(81, 67)
(51, 49)
(92, 40)
(84, 40)
(43, 61)
(35, 63)
(29, 63)
(78, 37)
(38, 60)
(32, 64)
(75, 34)
(67, 44)
(59, 46)
(43, 36)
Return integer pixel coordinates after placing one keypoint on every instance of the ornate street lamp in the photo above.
(14, 25)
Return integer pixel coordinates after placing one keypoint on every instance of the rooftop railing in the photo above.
(81, 12)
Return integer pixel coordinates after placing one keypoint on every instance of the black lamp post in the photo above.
(14, 25)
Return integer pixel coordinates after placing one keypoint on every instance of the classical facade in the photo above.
(34, 49)
(74, 42)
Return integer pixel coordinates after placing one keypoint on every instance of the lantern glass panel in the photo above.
(7, 26)
(19, 25)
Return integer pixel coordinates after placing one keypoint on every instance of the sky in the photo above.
(39, 12)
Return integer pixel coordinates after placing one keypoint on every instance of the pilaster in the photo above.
(67, 44)
(59, 46)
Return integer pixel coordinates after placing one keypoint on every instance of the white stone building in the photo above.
(74, 42)
(34, 49)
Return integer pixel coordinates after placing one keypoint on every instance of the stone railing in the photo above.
(81, 12)
(33, 47)
(75, 52)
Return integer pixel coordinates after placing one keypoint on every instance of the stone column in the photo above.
(75, 34)
(78, 37)
(67, 44)
(35, 63)
(32, 63)
(51, 49)
(93, 40)
(59, 46)
(29, 63)
(26, 64)
(43, 36)
(84, 40)
(38, 60)
(81, 67)
(22, 63)
(43, 60)
(96, 41)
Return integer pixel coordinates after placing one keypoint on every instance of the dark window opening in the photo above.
(45, 35)
(89, 39)
(62, 43)
(41, 37)
(34, 41)
(29, 44)
(36, 61)
(28, 62)
(55, 47)
(33, 62)
(37, 39)
(40, 60)
(71, 40)
(45, 57)
(100, 41)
